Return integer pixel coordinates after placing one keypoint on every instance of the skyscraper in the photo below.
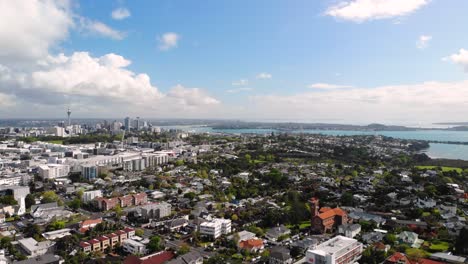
(128, 123)
(137, 123)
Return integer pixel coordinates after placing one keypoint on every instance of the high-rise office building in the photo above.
(128, 124)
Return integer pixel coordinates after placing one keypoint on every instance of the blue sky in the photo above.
(317, 57)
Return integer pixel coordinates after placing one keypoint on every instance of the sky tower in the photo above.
(68, 114)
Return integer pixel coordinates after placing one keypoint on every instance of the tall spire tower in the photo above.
(68, 114)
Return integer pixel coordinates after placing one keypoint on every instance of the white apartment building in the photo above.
(88, 196)
(216, 227)
(134, 247)
(34, 248)
(52, 171)
(338, 250)
(156, 210)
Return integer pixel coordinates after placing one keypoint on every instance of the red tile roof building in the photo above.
(88, 224)
(106, 204)
(251, 244)
(327, 219)
(397, 258)
(110, 240)
(157, 258)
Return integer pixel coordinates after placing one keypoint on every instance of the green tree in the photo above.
(347, 199)
(75, 203)
(184, 249)
(30, 200)
(8, 199)
(50, 197)
(234, 217)
(56, 225)
(139, 232)
(118, 210)
(33, 231)
(154, 244)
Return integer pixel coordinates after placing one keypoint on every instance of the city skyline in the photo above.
(360, 61)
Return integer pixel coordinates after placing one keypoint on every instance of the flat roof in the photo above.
(333, 245)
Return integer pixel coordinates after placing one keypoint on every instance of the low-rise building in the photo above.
(33, 248)
(134, 247)
(340, 249)
(215, 228)
(349, 230)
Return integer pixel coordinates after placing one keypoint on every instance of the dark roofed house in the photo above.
(305, 244)
(192, 257)
(43, 259)
(274, 233)
(280, 255)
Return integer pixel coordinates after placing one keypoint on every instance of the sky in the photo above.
(339, 61)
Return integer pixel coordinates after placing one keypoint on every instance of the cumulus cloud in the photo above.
(241, 82)
(97, 28)
(29, 28)
(264, 75)
(96, 85)
(90, 80)
(429, 101)
(460, 58)
(362, 10)
(168, 41)
(238, 90)
(328, 86)
(423, 41)
(120, 13)
(190, 97)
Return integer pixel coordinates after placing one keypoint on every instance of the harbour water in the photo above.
(436, 150)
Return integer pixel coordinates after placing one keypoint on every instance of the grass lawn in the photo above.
(439, 246)
(417, 253)
(459, 170)
(302, 225)
(56, 141)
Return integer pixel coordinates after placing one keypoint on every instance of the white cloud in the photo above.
(168, 41)
(460, 58)
(423, 41)
(191, 97)
(264, 75)
(29, 28)
(328, 86)
(36, 82)
(241, 82)
(98, 28)
(120, 13)
(362, 10)
(238, 90)
(423, 102)
(99, 82)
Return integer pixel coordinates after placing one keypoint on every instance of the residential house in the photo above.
(280, 255)
(252, 245)
(349, 230)
(274, 233)
(410, 238)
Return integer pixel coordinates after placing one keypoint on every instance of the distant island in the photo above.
(288, 126)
